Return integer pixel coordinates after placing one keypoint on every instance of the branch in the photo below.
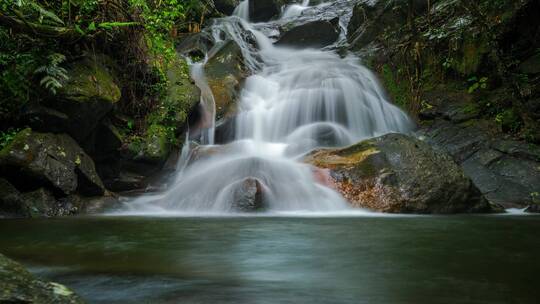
(40, 30)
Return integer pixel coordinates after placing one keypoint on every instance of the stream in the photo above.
(368, 259)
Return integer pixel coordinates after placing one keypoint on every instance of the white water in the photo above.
(294, 10)
(295, 101)
(242, 10)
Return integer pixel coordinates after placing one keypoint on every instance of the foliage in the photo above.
(7, 137)
(475, 84)
(53, 73)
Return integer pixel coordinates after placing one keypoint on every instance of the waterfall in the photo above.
(294, 101)
(294, 10)
(242, 10)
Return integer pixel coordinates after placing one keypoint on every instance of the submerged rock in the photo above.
(314, 34)
(248, 196)
(399, 174)
(33, 160)
(17, 285)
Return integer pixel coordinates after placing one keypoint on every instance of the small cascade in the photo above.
(242, 10)
(296, 100)
(208, 104)
(294, 10)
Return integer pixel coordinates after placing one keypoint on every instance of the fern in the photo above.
(53, 73)
(44, 14)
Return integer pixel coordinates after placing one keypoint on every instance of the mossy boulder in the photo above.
(17, 285)
(87, 96)
(182, 95)
(396, 173)
(225, 72)
(153, 147)
(34, 160)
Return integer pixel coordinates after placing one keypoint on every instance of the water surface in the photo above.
(461, 259)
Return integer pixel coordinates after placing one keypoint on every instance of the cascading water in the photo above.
(294, 10)
(295, 101)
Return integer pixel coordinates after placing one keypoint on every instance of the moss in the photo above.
(19, 142)
(90, 80)
(470, 55)
(398, 90)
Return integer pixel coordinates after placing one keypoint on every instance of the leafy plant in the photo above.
(7, 137)
(475, 84)
(53, 73)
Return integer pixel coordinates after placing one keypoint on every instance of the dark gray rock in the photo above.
(314, 34)
(11, 202)
(17, 285)
(396, 173)
(248, 196)
(226, 6)
(38, 203)
(87, 96)
(263, 10)
(44, 119)
(34, 160)
(507, 172)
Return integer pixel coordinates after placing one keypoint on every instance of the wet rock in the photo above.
(126, 181)
(248, 196)
(92, 205)
(87, 96)
(11, 202)
(17, 285)
(195, 45)
(263, 10)
(44, 119)
(314, 34)
(399, 174)
(34, 160)
(505, 171)
(535, 208)
(225, 72)
(39, 203)
(226, 6)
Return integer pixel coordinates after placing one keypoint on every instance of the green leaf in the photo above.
(91, 27)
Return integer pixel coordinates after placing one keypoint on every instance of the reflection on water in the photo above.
(475, 259)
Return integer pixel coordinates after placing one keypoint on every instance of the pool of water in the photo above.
(446, 259)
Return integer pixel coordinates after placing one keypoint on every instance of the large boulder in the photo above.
(38, 203)
(399, 174)
(506, 171)
(315, 34)
(85, 98)
(17, 285)
(33, 160)
(225, 72)
(226, 6)
(11, 202)
(248, 196)
(263, 10)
